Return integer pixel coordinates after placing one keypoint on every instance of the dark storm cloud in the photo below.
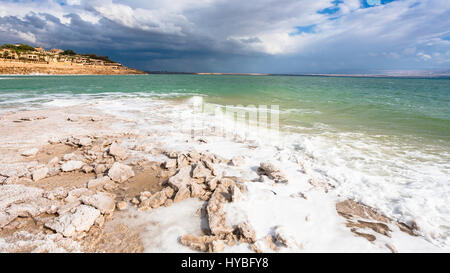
(240, 36)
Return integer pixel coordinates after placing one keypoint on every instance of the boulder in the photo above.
(181, 179)
(39, 174)
(98, 182)
(170, 164)
(117, 151)
(182, 194)
(273, 172)
(246, 232)
(71, 223)
(30, 152)
(154, 201)
(122, 205)
(104, 202)
(197, 190)
(120, 172)
(200, 171)
(71, 165)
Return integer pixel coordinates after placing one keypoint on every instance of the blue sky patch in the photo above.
(303, 29)
(374, 3)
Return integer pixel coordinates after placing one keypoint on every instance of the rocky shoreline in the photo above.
(63, 190)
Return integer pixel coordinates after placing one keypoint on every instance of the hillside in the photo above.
(24, 59)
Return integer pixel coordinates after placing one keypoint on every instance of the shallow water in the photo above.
(383, 141)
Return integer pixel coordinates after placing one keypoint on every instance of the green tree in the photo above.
(69, 52)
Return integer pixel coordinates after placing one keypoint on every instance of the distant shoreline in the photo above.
(443, 75)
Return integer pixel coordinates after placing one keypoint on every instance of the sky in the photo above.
(250, 36)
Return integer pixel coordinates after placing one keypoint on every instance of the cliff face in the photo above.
(25, 68)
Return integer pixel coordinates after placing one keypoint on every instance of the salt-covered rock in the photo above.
(117, 151)
(71, 165)
(17, 199)
(200, 171)
(237, 160)
(170, 164)
(120, 172)
(181, 179)
(54, 140)
(71, 224)
(273, 172)
(98, 182)
(57, 193)
(154, 201)
(197, 190)
(39, 174)
(246, 232)
(182, 194)
(122, 205)
(30, 152)
(102, 201)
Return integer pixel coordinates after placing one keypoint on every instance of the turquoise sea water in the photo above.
(383, 141)
(392, 106)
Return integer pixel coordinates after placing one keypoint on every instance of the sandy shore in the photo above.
(71, 182)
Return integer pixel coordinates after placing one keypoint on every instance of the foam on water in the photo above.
(406, 184)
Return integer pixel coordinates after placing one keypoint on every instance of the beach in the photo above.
(144, 164)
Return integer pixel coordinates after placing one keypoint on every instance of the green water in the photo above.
(400, 107)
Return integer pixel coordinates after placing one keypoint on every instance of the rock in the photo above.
(182, 161)
(194, 156)
(100, 169)
(197, 190)
(154, 201)
(144, 195)
(76, 194)
(170, 164)
(31, 152)
(168, 191)
(71, 165)
(200, 243)
(53, 162)
(246, 232)
(284, 238)
(68, 207)
(85, 141)
(87, 169)
(212, 184)
(211, 167)
(122, 205)
(72, 156)
(168, 202)
(216, 246)
(102, 201)
(216, 216)
(39, 174)
(237, 160)
(57, 193)
(135, 201)
(200, 171)
(117, 151)
(54, 140)
(98, 182)
(71, 224)
(272, 172)
(392, 248)
(181, 179)
(236, 194)
(20, 201)
(120, 172)
(182, 194)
